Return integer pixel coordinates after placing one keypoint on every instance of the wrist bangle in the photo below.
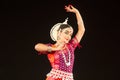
(49, 49)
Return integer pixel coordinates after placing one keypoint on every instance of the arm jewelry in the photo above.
(49, 49)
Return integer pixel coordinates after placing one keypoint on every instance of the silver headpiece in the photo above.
(54, 29)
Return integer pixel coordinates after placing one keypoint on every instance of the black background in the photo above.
(23, 23)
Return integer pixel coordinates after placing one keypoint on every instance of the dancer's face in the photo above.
(65, 35)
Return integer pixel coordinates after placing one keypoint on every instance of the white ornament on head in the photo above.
(54, 30)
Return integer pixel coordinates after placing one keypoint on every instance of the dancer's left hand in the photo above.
(71, 8)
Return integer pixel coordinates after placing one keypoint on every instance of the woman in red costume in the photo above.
(61, 54)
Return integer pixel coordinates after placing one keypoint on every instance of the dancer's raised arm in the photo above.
(81, 28)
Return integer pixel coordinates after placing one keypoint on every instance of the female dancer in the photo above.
(61, 54)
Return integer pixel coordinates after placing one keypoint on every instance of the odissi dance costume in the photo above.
(62, 61)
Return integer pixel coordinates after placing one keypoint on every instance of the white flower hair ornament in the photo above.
(54, 30)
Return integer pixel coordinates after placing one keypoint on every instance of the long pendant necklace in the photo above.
(65, 60)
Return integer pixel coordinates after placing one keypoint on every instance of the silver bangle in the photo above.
(49, 49)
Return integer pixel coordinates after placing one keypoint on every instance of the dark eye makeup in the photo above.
(66, 32)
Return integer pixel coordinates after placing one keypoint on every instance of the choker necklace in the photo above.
(65, 60)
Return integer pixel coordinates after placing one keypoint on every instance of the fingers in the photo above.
(71, 8)
(67, 8)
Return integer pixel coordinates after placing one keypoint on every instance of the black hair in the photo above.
(63, 26)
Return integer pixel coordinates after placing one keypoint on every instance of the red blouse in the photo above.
(63, 59)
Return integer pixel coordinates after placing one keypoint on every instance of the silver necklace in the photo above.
(65, 60)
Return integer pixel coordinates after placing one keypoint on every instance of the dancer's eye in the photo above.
(67, 32)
